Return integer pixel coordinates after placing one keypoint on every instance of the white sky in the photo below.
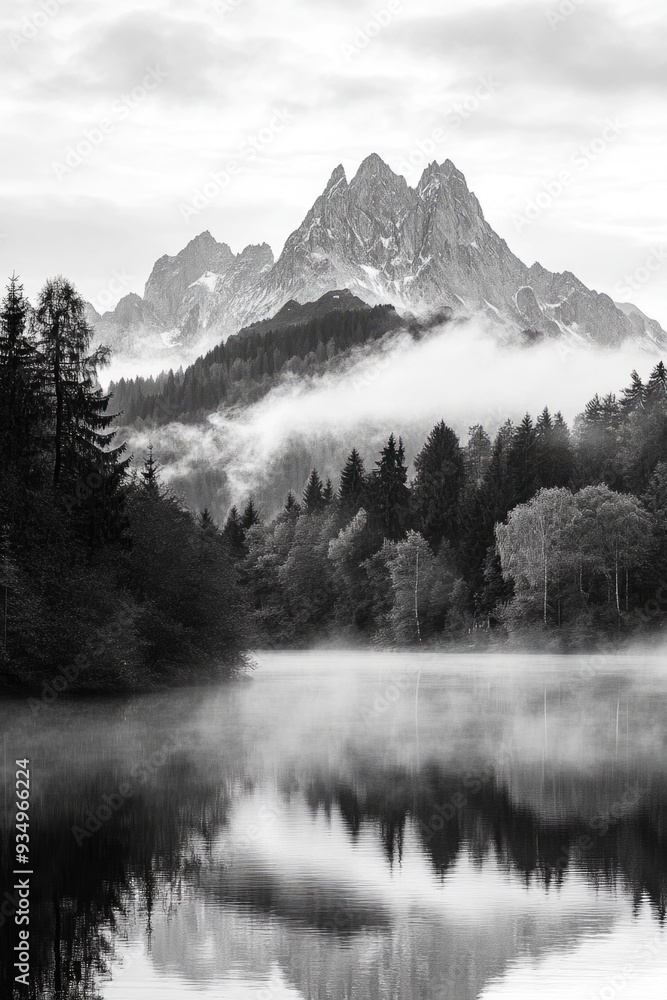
(229, 65)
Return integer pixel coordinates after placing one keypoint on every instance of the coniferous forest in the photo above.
(544, 537)
(106, 580)
(247, 365)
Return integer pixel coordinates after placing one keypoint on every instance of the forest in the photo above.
(542, 537)
(247, 365)
(107, 582)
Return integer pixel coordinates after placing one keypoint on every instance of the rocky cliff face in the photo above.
(418, 248)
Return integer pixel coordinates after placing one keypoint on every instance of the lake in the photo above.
(353, 825)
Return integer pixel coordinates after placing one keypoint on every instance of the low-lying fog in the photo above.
(460, 373)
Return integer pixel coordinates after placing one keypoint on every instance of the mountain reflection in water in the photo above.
(314, 832)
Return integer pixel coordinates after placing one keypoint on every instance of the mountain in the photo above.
(202, 290)
(295, 313)
(303, 340)
(420, 249)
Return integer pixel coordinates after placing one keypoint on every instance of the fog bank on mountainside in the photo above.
(460, 373)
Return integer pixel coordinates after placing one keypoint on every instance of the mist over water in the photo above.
(462, 372)
(331, 828)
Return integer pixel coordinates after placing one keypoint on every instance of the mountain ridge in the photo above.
(419, 248)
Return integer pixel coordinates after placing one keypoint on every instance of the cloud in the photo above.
(226, 72)
(593, 46)
(462, 374)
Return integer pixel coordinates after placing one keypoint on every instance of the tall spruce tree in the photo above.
(233, 534)
(21, 407)
(555, 457)
(292, 507)
(327, 493)
(78, 407)
(250, 516)
(352, 485)
(313, 494)
(150, 471)
(437, 486)
(657, 383)
(389, 494)
(597, 435)
(477, 455)
(483, 507)
(634, 396)
(523, 461)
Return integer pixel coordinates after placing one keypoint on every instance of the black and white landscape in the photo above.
(333, 512)
(415, 248)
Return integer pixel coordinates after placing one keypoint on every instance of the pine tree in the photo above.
(21, 408)
(150, 472)
(477, 455)
(233, 534)
(555, 456)
(597, 434)
(389, 494)
(352, 485)
(78, 406)
(313, 494)
(563, 456)
(437, 486)
(327, 493)
(634, 396)
(523, 461)
(208, 535)
(544, 423)
(496, 590)
(292, 507)
(657, 383)
(482, 508)
(250, 516)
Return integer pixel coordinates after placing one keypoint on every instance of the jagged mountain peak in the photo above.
(427, 247)
(337, 180)
(204, 238)
(373, 166)
(256, 252)
(446, 169)
(375, 182)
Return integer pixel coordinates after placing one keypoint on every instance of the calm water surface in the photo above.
(355, 825)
